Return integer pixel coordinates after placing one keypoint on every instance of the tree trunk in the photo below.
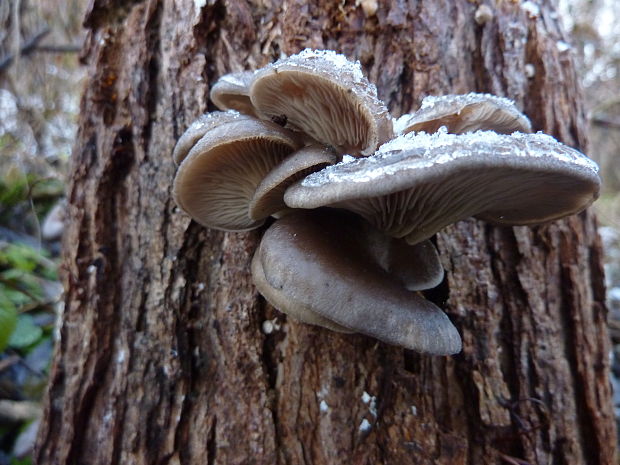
(162, 356)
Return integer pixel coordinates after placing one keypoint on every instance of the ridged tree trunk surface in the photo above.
(162, 357)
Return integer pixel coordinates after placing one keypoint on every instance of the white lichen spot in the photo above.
(323, 407)
(532, 10)
(120, 357)
(365, 426)
(483, 14)
(414, 411)
(372, 403)
(530, 70)
(369, 7)
(563, 46)
(92, 269)
(268, 327)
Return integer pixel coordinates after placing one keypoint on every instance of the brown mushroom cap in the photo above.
(464, 113)
(269, 196)
(322, 264)
(218, 178)
(326, 96)
(231, 92)
(279, 300)
(199, 128)
(419, 183)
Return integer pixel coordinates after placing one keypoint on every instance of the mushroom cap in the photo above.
(464, 113)
(232, 92)
(418, 183)
(321, 263)
(279, 300)
(269, 196)
(415, 278)
(326, 96)
(417, 267)
(199, 128)
(217, 180)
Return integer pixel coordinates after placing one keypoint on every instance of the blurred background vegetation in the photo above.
(40, 86)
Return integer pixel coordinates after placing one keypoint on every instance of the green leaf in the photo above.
(26, 332)
(8, 321)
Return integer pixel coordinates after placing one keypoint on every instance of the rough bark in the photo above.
(161, 357)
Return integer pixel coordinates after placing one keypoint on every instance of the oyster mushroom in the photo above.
(269, 196)
(418, 183)
(320, 264)
(231, 92)
(199, 128)
(327, 97)
(464, 113)
(217, 180)
(280, 300)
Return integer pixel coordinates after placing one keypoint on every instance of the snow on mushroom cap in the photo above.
(464, 113)
(418, 150)
(231, 91)
(419, 183)
(326, 96)
(199, 128)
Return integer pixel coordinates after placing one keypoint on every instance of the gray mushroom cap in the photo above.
(323, 265)
(417, 266)
(282, 302)
(217, 180)
(419, 183)
(199, 128)
(326, 96)
(269, 196)
(231, 92)
(464, 113)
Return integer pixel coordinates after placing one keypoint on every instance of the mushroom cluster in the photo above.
(357, 194)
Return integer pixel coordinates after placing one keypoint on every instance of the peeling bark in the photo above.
(161, 357)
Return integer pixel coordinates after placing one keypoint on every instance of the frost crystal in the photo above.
(464, 113)
(232, 79)
(339, 61)
(422, 150)
(402, 123)
(467, 99)
(209, 118)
